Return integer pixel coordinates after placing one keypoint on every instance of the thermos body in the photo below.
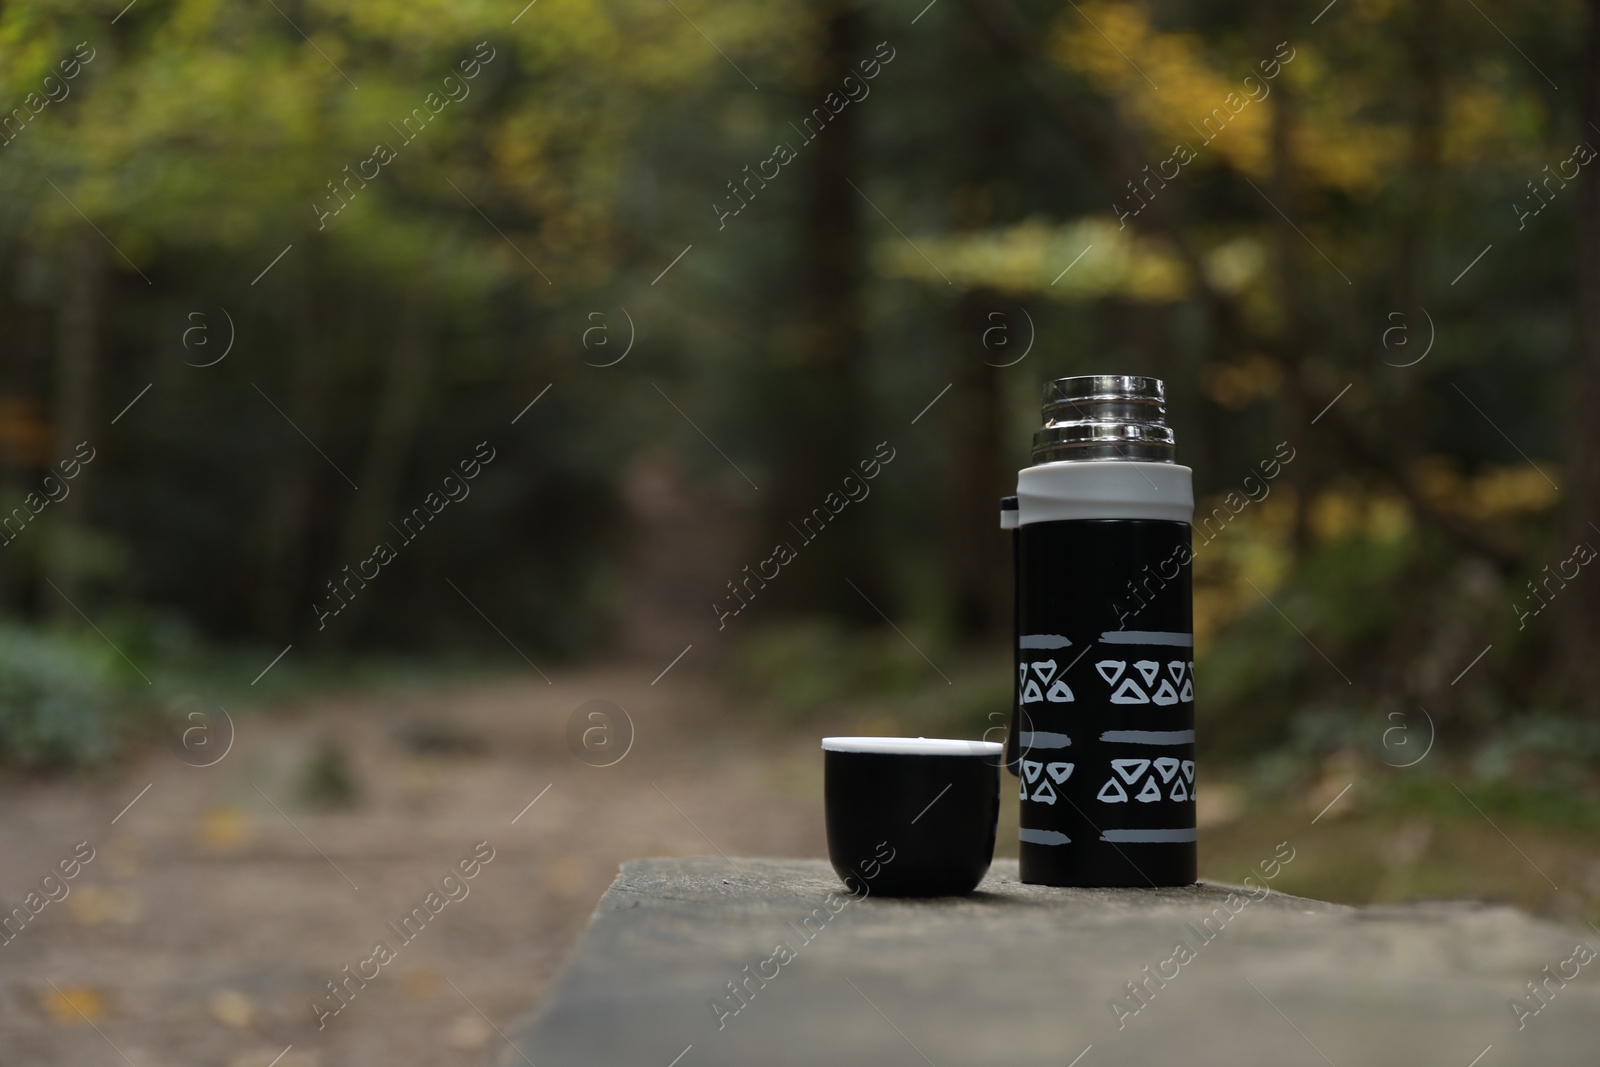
(1103, 718)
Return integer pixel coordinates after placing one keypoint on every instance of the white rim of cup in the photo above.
(912, 746)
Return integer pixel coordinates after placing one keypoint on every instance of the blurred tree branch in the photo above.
(1110, 153)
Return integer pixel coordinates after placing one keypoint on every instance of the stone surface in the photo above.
(1022, 975)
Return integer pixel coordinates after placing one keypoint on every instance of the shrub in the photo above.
(57, 701)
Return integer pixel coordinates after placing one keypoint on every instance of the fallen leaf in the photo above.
(74, 1003)
(420, 983)
(93, 905)
(225, 828)
(232, 1008)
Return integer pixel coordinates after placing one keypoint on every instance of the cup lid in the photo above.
(912, 746)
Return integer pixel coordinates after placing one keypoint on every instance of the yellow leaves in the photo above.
(519, 150)
(1234, 265)
(1167, 85)
(1339, 514)
(1088, 259)
(417, 25)
(1164, 82)
(1488, 120)
(1498, 492)
(1512, 491)
(1097, 38)
(192, 20)
(589, 26)
(1254, 547)
(1238, 385)
(1334, 146)
(643, 44)
(1026, 257)
(1477, 118)
(1254, 550)
(607, 33)
(220, 124)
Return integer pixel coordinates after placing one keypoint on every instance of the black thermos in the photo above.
(1102, 736)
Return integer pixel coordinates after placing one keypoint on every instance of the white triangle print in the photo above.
(1030, 770)
(1058, 772)
(1188, 690)
(1022, 789)
(1129, 693)
(1022, 673)
(1166, 766)
(1044, 794)
(1111, 669)
(1112, 792)
(1150, 793)
(1188, 770)
(1059, 693)
(1149, 668)
(1176, 668)
(1179, 792)
(1165, 694)
(1039, 669)
(1030, 692)
(1131, 769)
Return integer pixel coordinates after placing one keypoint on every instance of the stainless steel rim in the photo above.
(1105, 416)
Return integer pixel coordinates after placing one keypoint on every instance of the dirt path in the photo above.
(209, 919)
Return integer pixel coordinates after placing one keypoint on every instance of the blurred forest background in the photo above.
(216, 281)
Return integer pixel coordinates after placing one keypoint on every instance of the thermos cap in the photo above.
(1105, 416)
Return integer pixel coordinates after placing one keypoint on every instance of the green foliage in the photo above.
(328, 780)
(58, 700)
(1562, 793)
(1253, 676)
(809, 665)
(815, 672)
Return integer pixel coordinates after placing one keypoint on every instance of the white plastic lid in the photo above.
(1104, 489)
(912, 746)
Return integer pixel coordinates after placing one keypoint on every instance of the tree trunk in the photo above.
(1582, 480)
(1427, 109)
(77, 341)
(284, 608)
(394, 430)
(824, 398)
(1291, 339)
(1399, 389)
(976, 549)
(989, 334)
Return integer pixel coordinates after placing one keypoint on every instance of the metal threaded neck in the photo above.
(1105, 416)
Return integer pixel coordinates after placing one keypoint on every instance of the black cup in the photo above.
(911, 816)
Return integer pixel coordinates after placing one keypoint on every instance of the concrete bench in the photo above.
(682, 965)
